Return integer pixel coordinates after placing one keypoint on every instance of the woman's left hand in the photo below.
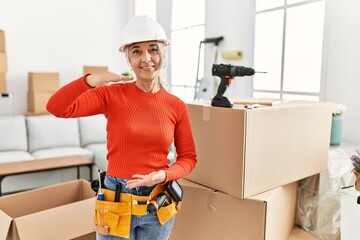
(146, 180)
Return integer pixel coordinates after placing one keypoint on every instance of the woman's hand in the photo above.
(147, 180)
(101, 79)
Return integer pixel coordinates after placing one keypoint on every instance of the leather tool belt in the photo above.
(115, 217)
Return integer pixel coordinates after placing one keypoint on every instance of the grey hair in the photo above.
(163, 60)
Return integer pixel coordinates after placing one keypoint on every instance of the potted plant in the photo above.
(355, 160)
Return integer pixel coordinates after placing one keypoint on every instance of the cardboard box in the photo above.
(350, 213)
(2, 41)
(3, 62)
(3, 83)
(300, 234)
(95, 69)
(37, 101)
(209, 214)
(243, 152)
(62, 211)
(43, 81)
(90, 236)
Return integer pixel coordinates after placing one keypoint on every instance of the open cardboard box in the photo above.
(209, 214)
(61, 211)
(244, 152)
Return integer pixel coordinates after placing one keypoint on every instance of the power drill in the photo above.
(160, 200)
(227, 72)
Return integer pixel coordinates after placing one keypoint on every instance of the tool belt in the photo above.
(115, 217)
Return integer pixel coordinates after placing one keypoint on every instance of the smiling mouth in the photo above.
(147, 67)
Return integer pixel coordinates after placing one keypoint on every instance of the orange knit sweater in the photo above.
(140, 126)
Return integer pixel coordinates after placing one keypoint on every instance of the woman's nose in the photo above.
(146, 56)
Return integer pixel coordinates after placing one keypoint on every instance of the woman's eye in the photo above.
(135, 51)
(154, 49)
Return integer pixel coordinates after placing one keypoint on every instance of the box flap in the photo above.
(5, 222)
(86, 190)
(63, 222)
(17, 205)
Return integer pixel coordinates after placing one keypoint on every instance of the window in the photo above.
(288, 45)
(187, 30)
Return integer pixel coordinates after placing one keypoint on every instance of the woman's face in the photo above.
(145, 60)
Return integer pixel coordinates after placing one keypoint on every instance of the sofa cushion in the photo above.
(14, 156)
(13, 134)
(47, 131)
(92, 129)
(62, 152)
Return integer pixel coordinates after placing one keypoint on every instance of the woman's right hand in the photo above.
(101, 79)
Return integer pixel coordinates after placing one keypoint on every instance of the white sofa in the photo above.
(45, 136)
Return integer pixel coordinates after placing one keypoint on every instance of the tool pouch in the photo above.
(115, 217)
(165, 213)
(112, 217)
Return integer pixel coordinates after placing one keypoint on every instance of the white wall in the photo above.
(235, 20)
(342, 63)
(60, 36)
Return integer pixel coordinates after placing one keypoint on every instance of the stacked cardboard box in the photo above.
(41, 86)
(94, 69)
(252, 159)
(3, 63)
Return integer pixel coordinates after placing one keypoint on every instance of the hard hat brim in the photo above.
(165, 41)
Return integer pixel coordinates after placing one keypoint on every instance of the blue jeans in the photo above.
(145, 227)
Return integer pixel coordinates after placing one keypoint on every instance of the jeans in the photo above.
(145, 227)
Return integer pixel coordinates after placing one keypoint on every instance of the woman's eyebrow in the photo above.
(134, 47)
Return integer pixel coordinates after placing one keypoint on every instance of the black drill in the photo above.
(227, 73)
(160, 200)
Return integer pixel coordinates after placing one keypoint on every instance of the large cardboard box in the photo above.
(37, 101)
(2, 41)
(62, 211)
(43, 81)
(209, 214)
(95, 69)
(244, 152)
(3, 62)
(3, 83)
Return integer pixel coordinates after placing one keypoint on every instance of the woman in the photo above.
(143, 120)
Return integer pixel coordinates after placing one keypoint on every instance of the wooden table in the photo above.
(40, 165)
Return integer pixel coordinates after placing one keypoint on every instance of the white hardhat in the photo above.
(141, 29)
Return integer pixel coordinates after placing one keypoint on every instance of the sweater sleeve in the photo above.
(75, 99)
(185, 147)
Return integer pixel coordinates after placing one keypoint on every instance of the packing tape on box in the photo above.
(206, 113)
(234, 54)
